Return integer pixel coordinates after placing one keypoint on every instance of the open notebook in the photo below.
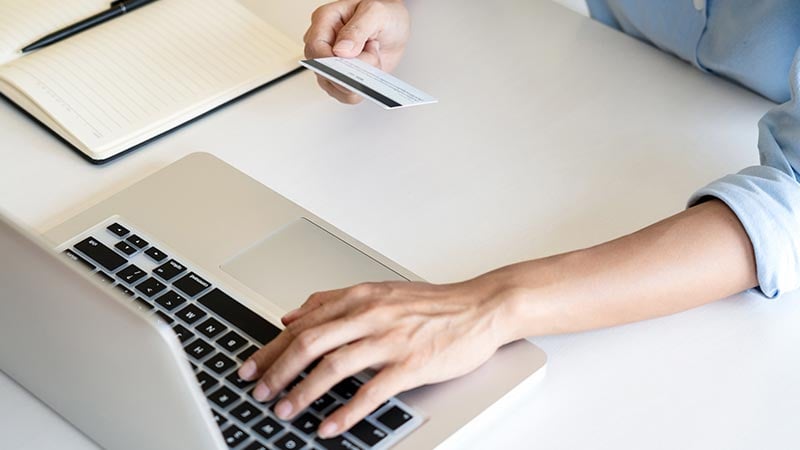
(122, 83)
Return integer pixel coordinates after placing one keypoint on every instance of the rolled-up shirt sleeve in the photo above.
(766, 198)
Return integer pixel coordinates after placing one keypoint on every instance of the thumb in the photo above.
(353, 36)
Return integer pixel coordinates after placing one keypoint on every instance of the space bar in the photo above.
(240, 316)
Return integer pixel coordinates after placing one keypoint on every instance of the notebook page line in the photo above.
(113, 84)
(99, 89)
(276, 39)
(71, 78)
(191, 67)
(221, 58)
(152, 63)
(127, 78)
(64, 87)
(54, 99)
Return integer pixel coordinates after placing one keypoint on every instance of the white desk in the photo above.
(560, 134)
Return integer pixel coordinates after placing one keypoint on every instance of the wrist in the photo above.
(530, 296)
(507, 299)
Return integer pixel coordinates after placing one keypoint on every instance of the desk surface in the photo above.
(558, 134)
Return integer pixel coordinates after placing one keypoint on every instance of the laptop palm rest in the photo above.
(299, 259)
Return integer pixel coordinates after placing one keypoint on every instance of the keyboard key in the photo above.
(97, 251)
(118, 230)
(223, 397)
(198, 349)
(155, 254)
(307, 423)
(191, 314)
(347, 388)
(394, 418)
(246, 412)
(234, 312)
(268, 427)
(248, 352)
(368, 433)
(219, 363)
(336, 406)
(150, 287)
(234, 436)
(131, 274)
(142, 304)
(206, 381)
(105, 277)
(169, 270)
(137, 242)
(125, 290)
(379, 407)
(290, 441)
(163, 318)
(256, 446)
(232, 341)
(126, 248)
(338, 443)
(319, 405)
(183, 333)
(211, 328)
(191, 284)
(79, 259)
(238, 382)
(170, 300)
(219, 418)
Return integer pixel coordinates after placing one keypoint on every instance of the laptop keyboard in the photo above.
(218, 334)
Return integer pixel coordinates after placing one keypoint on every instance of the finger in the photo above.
(339, 93)
(263, 359)
(313, 301)
(372, 54)
(366, 23)
(334, 367)
(307, 347)
(341, 89)
(318, 49)
(328, 305)
(259, 361)
(386, 384)
(320, 36)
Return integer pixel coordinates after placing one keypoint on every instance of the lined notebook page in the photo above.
(149, 70)
(24, 21)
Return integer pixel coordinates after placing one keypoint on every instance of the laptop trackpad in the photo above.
(300, 259)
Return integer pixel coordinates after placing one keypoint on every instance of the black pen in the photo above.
(118, 8)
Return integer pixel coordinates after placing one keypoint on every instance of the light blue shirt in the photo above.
(754, 43)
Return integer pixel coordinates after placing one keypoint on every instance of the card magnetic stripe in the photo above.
(366, 90)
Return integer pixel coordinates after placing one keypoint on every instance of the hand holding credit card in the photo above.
(369, 82)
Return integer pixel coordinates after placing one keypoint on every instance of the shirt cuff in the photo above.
(767, 203)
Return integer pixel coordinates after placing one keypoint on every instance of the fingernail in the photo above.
(261, 392)
(327, 430)
(344, 46)
(283, 409)
(247, 370)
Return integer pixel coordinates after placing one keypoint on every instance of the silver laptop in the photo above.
(131, 319)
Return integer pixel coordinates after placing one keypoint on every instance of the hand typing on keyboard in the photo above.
(413, 334)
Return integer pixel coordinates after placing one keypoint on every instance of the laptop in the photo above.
(131, 319)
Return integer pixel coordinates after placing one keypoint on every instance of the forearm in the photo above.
(697, 256)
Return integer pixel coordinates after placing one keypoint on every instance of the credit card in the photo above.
(369, 82)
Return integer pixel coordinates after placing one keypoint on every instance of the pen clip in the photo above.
(120, 3)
